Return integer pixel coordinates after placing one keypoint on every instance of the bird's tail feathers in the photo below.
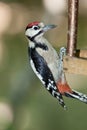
(77, 95)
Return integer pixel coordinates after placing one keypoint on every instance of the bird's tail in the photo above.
(77, 95)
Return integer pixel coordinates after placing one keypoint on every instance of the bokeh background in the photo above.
(24, 103)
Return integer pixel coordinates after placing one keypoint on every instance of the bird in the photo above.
(47, 63)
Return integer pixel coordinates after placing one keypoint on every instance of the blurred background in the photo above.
(24, 103)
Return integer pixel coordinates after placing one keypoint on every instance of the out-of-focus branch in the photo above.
(81, 53)
(75, 65)
(72, 26)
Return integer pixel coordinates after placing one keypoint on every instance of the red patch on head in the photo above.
(32, 24)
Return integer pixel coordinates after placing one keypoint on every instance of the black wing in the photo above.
(46, 76)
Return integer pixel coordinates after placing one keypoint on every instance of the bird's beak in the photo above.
(47, 27)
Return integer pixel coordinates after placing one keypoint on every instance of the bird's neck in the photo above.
(39, 42)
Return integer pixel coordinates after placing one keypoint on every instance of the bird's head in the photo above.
(37, 29)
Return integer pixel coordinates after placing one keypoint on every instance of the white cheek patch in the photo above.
(31, 32)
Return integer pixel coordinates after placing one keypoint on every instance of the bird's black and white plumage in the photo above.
(47, 64)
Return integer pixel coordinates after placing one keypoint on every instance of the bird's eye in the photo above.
(36, 27)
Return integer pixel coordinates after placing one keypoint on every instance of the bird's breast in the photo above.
(51, 58)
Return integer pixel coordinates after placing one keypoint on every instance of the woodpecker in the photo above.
(47, 64)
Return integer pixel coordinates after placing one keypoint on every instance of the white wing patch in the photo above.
(51, 84)
(38, 75)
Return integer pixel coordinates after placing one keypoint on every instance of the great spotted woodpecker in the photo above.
(48, 64)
